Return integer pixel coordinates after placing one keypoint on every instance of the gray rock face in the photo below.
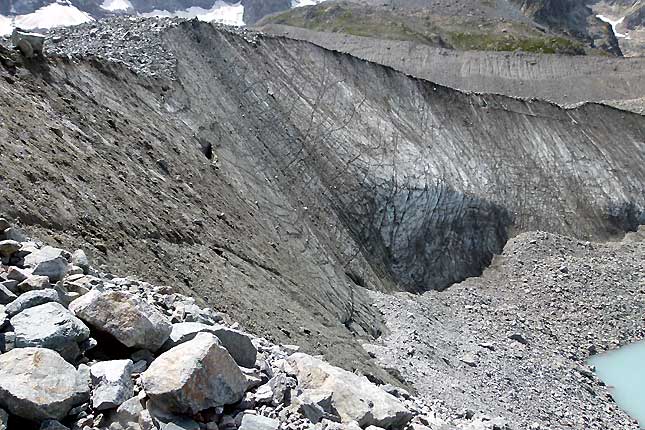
(4, 420)
(31, 299)
(131, 321)
(353, 397)
(194, 376)
(258, 422)
(49, 262)
(50, 326)
(112, 381)
(37, 384)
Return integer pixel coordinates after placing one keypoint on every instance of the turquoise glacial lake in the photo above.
(623, 370)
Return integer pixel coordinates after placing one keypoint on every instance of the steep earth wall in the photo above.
(273, 174)
(562, 79)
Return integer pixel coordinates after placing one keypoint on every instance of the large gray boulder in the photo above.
(112, 382)
(238, 344)
(130, 320)
(353, 397)
(38, 384)
(31, 299)
(48, 261)
(50, 326)
(196, 375)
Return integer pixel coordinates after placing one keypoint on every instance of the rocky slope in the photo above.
(81, 349)
(513, 343)
(269, 176)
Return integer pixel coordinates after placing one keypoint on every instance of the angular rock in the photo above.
(112, 381)
(33, 283)
(4, 420)
(185, 331)
(80, 259)
(8, 247)
(194, 376)
(316, 405)
(258, 422)
(31, 299)
(49, 262)
(354, 397)
(11, 285)
(6, 296)
(130, 320)
(129, 411)
(50, 326)
(238, 344)
(16, 274)
(37, 384)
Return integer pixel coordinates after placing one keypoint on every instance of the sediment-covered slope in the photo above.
(565, 80)
(271, 174)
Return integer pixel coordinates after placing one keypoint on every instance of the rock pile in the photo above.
(86, 350)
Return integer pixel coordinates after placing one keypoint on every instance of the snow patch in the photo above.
(222, 12)
(613, 24)
(52, 15)
(115, 5)
(6, 25)
(301, 3)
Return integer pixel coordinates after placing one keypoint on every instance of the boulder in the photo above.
(6, 296)
(50, 326)
(258, 422)
(112, 382)
(33, 283)
(128, 413)
(16, 274)
(80, 259)
(31, 299)
(48, 261)
(196, 375)
(130, 320)
(353, 397)
(185, 331)
(38, 384)
(8, 247)
(238, 344)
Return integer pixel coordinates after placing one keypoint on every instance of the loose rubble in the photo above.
(92, 351)
(509, 348)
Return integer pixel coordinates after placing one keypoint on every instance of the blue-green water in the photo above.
(624, 371)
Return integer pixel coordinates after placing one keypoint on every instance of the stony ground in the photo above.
(513, 343)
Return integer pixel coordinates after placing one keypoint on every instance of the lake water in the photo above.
(624, 371)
